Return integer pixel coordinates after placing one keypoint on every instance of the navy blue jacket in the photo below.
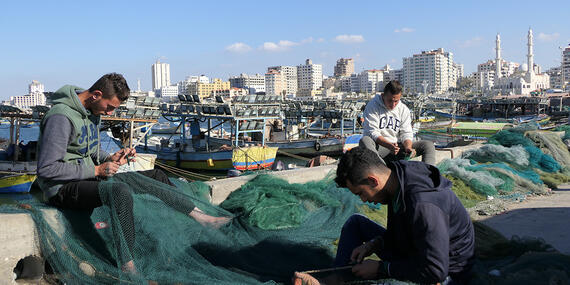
(431, 235)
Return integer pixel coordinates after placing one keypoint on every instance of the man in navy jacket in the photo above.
(429, 237)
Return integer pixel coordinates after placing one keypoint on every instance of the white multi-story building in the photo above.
(167, 92)
(565, 65)
(309, 76)
(252, 83)
(35, 97)
(160, 75)
(436, 67)
(183, 85)
(289, 74)
(368, 81)
(275, 84)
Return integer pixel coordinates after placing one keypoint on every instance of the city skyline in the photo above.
(76, 44)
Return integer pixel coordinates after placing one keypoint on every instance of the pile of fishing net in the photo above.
(300, 233)
(516, 162)
(276, 228)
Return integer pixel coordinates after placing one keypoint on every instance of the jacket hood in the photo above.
(68, 95)
(378, 100)
(416, 177)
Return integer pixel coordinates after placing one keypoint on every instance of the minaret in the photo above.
(530, 59)
(138, 85)
(498, 57)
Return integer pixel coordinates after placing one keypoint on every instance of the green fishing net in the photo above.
(276, 228)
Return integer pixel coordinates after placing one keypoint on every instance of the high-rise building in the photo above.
(252, 83)
(565, 65)
(344, 67)
(289, 74)
(275, 83)
(35, 97)
(436, 67)
(309, 76)
(160, 75)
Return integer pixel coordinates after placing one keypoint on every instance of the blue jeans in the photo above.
(357, 230)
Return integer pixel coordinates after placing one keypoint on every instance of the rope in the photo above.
(292, 155)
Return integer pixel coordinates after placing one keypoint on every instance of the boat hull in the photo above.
(16, 183)
(306, 148)
(249, 158)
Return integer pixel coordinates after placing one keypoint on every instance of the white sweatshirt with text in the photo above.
(394, 125)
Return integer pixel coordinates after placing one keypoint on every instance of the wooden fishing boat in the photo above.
(16, 183)
(240, 158)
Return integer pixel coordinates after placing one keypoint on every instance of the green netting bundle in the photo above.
(510, 137)
(271, 203)
(481, 181)
(552, 144)
(172, 248)
(536, 157)
(565, 129)
(516, 155)
(493, 179)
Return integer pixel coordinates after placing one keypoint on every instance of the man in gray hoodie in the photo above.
(388, 128)
(71, 164)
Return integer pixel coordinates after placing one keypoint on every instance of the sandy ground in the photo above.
(546, 217)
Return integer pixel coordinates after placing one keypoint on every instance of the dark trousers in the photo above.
(423, 148)
(84, 195)
(357, 230)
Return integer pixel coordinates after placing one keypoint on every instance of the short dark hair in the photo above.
(354, 165)
(393, 87)
(112, 84)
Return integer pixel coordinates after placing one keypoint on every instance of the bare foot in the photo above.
(304, 279)
(207, 220)
(129, 267)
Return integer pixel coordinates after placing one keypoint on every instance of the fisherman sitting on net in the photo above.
(388, 128)
(71, 165)
(429, 237)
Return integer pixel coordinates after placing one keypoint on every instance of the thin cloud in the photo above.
(404, 30)
(548, 37)
(238, 47)
(471, 42)
(349, 39)
(284, 45)
(320, 40)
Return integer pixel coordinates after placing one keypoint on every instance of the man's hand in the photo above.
(410, 152)
(359, 253)
(106, 169)
(367, 269)
(394, 148)
(123, 156)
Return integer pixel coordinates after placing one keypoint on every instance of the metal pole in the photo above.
(16, 150)
(208, 139)
(263, 133)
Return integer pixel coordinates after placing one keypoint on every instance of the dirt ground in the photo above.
(546, 217)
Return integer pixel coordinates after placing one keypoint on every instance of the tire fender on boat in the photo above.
(317, 146)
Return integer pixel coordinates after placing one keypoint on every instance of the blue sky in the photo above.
(75, 42)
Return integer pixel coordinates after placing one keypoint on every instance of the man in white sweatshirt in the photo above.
(388, 128)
